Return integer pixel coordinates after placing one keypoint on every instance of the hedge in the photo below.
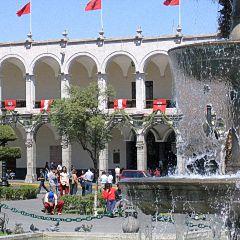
(83, 205)
(18, 193)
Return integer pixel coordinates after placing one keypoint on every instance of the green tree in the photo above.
(7, 134)
(81, 120)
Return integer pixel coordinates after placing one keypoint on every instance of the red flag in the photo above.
(171, 2)
(25, 10)
(94, 5)
(120, 103)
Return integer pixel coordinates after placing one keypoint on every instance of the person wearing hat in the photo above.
(51, 203)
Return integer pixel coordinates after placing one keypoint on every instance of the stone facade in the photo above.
(138, 69)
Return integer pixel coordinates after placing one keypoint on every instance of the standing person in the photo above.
(88, 176)
(46, 170)
(117, 174)
(108, 194)
(82, 183)
(52, 179)
(74, 182)
(109, 177)
(42, 179)
(51, 202)
(64, 181)
(103, 179)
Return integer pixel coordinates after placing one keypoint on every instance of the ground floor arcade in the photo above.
(153, 148)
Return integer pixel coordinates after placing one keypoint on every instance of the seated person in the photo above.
(51, 203)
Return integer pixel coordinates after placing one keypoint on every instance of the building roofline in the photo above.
(114, 40)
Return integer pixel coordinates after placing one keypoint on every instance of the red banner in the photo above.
(10, 104)
(160, 104)
(120, 103)
(45, 105)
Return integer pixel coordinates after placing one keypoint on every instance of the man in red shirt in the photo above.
(108, 194)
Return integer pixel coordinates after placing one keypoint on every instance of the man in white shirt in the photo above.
(103, 179)
(117, 174)
(88, 177)
(109, 177)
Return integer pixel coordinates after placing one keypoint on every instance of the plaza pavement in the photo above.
(103, 225)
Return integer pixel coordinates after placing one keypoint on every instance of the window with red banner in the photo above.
(45, 105)
(10, 104)
(160, 105)
(120, 103)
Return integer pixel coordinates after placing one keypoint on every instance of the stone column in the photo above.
(31, 157)
(141, 152)
(65, 84)
(30, 91)
(103, 160)
(66, 154)
(1, 81)
(140, 91)
(102, 84)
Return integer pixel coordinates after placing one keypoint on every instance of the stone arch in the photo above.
(120, 68)
(19, 165)
(158, 78)
(148, 57)
(46, 69)
(13, 71)
(15, 59)
(79, 55)
(83, 69)
(48, 145)
(108, 59)
(167, 134)
(49, 58)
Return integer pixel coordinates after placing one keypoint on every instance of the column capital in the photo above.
(29, 143)
(102, 75)
(29, 76)
(140, 74)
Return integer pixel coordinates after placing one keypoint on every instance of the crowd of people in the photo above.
(61, 182)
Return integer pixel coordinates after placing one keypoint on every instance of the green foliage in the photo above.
(6, 134)
(225, 20)
(80, 119)
(18, 193)
(77, 204)
(7, 153)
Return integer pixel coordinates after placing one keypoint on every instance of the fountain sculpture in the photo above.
(207, 92)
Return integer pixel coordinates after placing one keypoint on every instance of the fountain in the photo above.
(207, 92)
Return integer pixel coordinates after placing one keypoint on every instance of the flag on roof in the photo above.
(94, 5)
(25, 10)
(171, 2)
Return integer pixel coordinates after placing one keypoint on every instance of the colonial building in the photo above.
(138, 69)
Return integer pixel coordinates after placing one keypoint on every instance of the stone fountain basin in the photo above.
(183, 195)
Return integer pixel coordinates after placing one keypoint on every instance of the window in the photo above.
(116, 157)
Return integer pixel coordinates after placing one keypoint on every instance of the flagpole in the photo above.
(101, 15)
(179, 15)
(30, 21)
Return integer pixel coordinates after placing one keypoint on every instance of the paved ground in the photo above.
(104, 225)
(34, 206)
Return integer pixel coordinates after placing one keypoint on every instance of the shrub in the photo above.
(77, 204)
(18, 193)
